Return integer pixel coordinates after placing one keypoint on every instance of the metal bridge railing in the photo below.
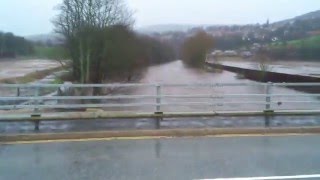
(38, 101)
(201, 99)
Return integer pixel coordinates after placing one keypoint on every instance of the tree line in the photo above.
(196, 48)
(12, 46)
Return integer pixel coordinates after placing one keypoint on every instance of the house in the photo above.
(246, 54)
(230, 53)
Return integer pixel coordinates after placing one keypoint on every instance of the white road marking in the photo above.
(311, 176)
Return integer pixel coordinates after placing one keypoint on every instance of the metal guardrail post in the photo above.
(268, 97)
(18, 95)
(36, 101)
(158, 100)
(158, 119)
(18, 91)
(158, 108)
(36, 113)
(212, 98)
(268, 109)
(37, 125)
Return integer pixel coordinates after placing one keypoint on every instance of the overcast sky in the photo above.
(27, 17)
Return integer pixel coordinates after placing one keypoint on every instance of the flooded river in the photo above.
(178, 73)
(18, 68)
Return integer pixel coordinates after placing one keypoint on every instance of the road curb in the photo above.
(157, 133)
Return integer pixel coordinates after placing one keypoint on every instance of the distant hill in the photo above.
(160, 28)
(165, 28)
(46, 38)
(308, 16)
(311, 15)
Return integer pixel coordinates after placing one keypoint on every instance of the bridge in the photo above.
(262, 142)
(222, 158)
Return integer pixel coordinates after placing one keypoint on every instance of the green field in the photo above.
(311, 42)
(306, 49)
(307, 43)
(50, 52)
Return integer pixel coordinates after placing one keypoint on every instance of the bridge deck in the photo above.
(177, 158)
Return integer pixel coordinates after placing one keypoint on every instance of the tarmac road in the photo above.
(176, 158)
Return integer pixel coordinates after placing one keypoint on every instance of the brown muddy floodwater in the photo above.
(17, 68)
(177, 73)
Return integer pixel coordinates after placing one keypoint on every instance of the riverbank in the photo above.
(294, 66)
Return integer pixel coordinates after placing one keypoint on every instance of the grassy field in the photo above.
(303, 49)
(55, 53)
(307, 43)
(311, 42)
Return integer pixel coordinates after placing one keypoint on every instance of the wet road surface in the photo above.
(180, 158)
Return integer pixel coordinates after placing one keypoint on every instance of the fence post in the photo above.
(268, 111)
(158, 113)
(18, 91)
(18, 95)
(213, 98)
(158, 100)
(36, 113)
(268, 97)
(36, 101)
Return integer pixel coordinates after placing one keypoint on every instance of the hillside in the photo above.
(308, 16)
(307, 43)
(303, 49)
(45, 38)
(311, 15)
(165, 28)
(311, 42)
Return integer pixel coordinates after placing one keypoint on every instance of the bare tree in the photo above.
(83, 23)
(263, 61)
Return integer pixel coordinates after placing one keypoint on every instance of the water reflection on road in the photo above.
(180, 158)
(178, 73)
